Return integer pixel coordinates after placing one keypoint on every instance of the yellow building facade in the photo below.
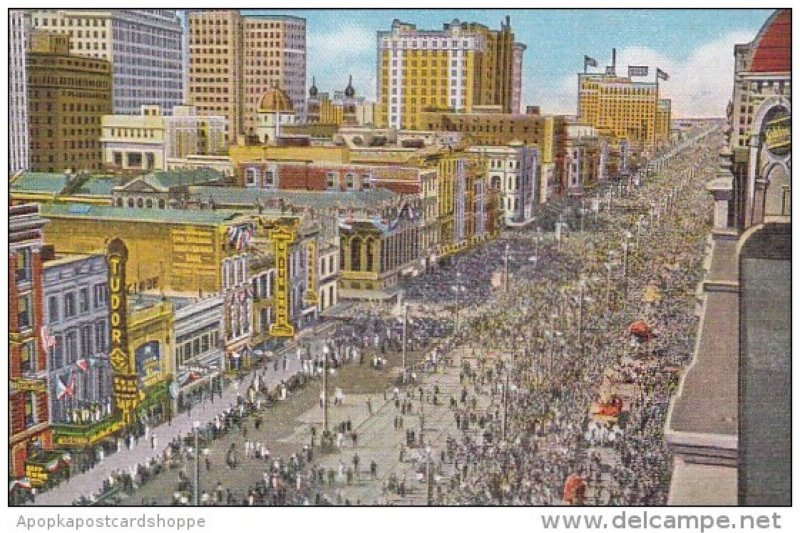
(620, 108)
(173, 250)
(457, 68)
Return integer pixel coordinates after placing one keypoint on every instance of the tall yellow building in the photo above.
(620, 108)
(461, 66)
(234, 58)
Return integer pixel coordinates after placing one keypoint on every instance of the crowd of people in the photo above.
(545, 345)
(560, 335)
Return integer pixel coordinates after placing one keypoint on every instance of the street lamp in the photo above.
(428, 475)
(325, 351)
(196, 428)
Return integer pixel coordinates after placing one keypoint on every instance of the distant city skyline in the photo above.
(696, 50)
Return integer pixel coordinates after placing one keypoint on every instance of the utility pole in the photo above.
(458, 289)
(428, 475)
(580, 312)
(196, 425)
(505, 407)
(405, 338)
(505, 278)
(325, 389)
(625, 266)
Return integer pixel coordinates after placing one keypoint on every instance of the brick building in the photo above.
(29, 423)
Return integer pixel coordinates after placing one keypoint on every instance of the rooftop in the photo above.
(166, 179)
(312, 199)
(40, 182)
(174, 216)
(773, 44)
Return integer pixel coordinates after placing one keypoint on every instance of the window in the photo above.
(251, 177)
(24, 312)
(83, 300)
(71, 347)
(24, 272)
(331, 179)
(69, 305)
(52, 309)
(28, 357)
(31, 414)
(349, 180)
(269, 178)
(100, 295)
(100, 338)
(87, 340)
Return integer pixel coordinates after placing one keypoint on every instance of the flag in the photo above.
(83, 364)
(589, 62)
(48, 341)
(52, 465)
(62, 391)
(661, 74)
(637, 71)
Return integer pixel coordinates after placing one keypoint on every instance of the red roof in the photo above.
(774, 44)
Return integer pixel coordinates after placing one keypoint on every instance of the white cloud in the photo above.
(699, 85)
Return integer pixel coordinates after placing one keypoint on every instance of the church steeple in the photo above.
(349, 91)
(313, 91)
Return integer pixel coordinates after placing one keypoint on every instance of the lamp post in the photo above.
(428, 474)
(405, 338)
(196, 427)
(505, 405)
(325, 351)
(505, 278)
(581, 282)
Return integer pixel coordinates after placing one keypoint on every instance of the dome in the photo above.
(773, 45)
(349, 92)
(313, 91)
(275, 101)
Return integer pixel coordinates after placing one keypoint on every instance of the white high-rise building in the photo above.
(18, 155)
(144, 46)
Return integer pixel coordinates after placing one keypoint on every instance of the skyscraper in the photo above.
(235, 58)
(143, 45)
(18, 154)
(459, 67)
(67, 96)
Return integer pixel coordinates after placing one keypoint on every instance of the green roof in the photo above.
(227, 196)
(41, 182)
(174, 216)
(166, 179)
(98, 186)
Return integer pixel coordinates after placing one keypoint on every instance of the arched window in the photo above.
(119, 202)
(139, 202)
(149, 203)
(162, 204)
(355, 254)
(130, 202)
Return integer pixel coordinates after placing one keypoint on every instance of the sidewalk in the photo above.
(90, 482)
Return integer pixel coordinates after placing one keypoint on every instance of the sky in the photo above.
(694, 46)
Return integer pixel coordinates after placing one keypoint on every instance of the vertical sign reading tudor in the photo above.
(282, 236)
(126, 390)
